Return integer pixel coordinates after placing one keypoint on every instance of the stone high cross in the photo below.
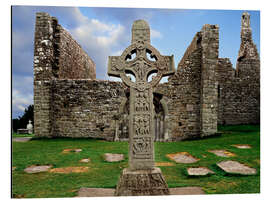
(141, 125)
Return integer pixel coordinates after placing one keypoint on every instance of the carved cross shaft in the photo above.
(141, 125)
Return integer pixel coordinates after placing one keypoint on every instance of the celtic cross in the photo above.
(141, 125)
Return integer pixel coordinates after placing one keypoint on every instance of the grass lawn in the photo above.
(105, 175)
(22, 135)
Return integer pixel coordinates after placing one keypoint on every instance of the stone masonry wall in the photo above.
(182, 94)
(74, 63)
(239, 98)
(239, 90)
(56, 55)
(209, 84)
(86, 108)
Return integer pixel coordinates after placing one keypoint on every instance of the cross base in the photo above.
(141, 183)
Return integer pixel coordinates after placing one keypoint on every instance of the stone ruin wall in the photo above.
(56, 56)
(69, 102)
(239, 89)
(182, 94)
(191, 92)
(86, 108)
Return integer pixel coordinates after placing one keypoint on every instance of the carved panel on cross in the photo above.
(142, 148)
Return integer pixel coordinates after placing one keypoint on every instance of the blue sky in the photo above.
(107, 31)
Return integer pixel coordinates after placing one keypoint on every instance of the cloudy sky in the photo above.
(107, 31)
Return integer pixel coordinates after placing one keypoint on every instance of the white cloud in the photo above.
(155, 34)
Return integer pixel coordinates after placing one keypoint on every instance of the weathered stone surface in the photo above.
(85, 160)
(141, 182)
(95, 192)
(235, 167)
(21, 139)
(242, 146)
(199, 171)
(37, 169)
(182, 157)
(72, 169)
(109, 157)
(222, 153)
(186, 191)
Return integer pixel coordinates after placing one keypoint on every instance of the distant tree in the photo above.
(22, 121)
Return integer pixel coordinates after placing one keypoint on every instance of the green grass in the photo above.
(22, 135)
(102, 174)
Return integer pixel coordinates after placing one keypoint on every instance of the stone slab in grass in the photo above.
(65, 151)
(182, 157)
(95, 192)
(242, 146)
(37, 169)
(222, 153)
(186, 191)
(234, 167)
(85, 160)
(14, 168)
(21, 139)
(164, 164)
(105, 192)
(199, 171)
(72, 169)
(109, 157)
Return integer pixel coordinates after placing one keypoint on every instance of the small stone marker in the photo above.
(65, 151)
(85, 160)
(234, 167)
(72, 169)
(113, 157)
(14, 168)
(37, 169)
(222, 153)
(182, 157)
(199, 171)
(21, 139)
(142, 177)
(242, 146)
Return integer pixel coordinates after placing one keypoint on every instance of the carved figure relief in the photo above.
(141, 124)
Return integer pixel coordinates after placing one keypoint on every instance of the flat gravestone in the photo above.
(234, 167)
(222, 153)
(199, 171)
(21, 139)
(95, 192)
(65, 151)
(37, 169)
(85, 160)
(142, 61)
(182, 157)
(242, 146)
(187, 191)
(113, 157)
(71, 169)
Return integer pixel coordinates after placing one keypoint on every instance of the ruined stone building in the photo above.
(204, 91)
